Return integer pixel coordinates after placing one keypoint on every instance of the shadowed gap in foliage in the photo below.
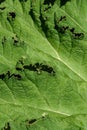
(49, 2)
(63, 2)
(43, 25)
(7, 127)
(1, 1)
(22, 0)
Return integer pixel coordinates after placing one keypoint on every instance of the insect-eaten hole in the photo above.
(78, 35)
(39, 67)
(62, 18)
(15, 39)
(2, 76)
(16, 76)
(12, 14)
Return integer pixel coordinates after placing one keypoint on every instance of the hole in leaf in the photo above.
(78, 35)
(30, 67)
(2, 76)
(57, 26)
(72, 30)
(8, 75)
(40, 67)
(15, 38)
(16, 76)
(12, 14)
(63, 29)
(62, 18)
(18, 68)
(29, 122)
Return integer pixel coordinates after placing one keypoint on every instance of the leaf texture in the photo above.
(43, 65)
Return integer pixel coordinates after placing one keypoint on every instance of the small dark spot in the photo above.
(12, 14)
(2, 8)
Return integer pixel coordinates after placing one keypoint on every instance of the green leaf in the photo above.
(43, 65)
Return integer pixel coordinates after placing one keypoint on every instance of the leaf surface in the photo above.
(43, 65)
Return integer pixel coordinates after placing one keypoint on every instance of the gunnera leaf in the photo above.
(43, 65)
